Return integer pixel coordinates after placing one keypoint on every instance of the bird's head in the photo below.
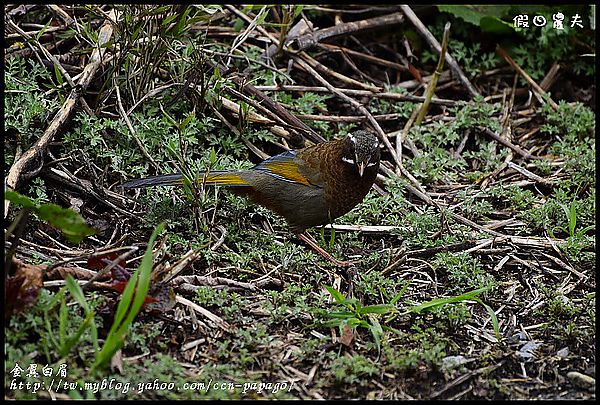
(361, 149)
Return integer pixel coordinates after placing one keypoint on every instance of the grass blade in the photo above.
(131, 302)
(448, 300)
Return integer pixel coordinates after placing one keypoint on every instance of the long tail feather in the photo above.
(216, 178)
(165, 180)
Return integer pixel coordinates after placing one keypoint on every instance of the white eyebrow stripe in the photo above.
(346, 160)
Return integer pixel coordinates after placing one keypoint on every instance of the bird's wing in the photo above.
(286, 166)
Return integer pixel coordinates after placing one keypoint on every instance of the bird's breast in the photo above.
(345, 188)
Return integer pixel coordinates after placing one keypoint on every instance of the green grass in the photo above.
(132, 299)
(405, 322)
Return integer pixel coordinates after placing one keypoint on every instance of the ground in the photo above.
(474, 273)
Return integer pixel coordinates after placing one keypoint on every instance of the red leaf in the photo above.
(100, 262)
(22, 289)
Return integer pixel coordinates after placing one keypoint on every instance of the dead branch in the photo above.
(16, 172)
(436, 45)
(309, 40)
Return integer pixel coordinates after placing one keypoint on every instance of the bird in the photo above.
(308, 187)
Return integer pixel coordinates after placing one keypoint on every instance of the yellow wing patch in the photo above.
(287, 170)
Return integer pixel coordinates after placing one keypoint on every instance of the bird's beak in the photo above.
(361, 168)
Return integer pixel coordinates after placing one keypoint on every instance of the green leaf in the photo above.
(238, 24)
(63, 318)
(169, 19)
(130, 304)
(495, 25)
(340, 314)
(72, 341)
(263, 14)
(68, 221)
(171, 120)
(473, 14)
(59, 77)
(182, 21)
(186, 121)
(436, 302)
(331, 238)
(42, 31)
(585, 230)
(77, 293)
(297, 10)
(377, 332)
(136, 33)
(376, 309)
(332, 323)
(493, 317)
(401, 293)
(390, 329)
(354, 322)
(212, 157)
(159, 10)
(337, 296)
(216, 73)
(19, 199)
(572, 215)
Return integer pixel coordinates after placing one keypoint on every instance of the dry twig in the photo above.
(436, 45)
(16, 172)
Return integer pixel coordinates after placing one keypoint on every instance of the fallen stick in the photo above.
(436, 45)
(28, 159)
(309, 40)
(542, 95)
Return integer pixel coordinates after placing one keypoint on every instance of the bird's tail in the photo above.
(216, 178)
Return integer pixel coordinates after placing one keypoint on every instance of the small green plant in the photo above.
(563, 315)
(463, 270)
(331, 242)
(473, 207)
(357, 315)
(429, 348)
(383, 106)
(230, 303)
(27, 107)
(511, 197)
(574, 126)
(132, 299)
(577, 239)
(452, 317)
(350, 370)
(435, 162)
(471, 295)
(65, 343)
(571, 214)
(375, 286)
(289, 304)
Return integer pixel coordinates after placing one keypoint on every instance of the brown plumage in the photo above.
(309, 187)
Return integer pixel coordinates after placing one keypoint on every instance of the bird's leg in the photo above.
(313, 244)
